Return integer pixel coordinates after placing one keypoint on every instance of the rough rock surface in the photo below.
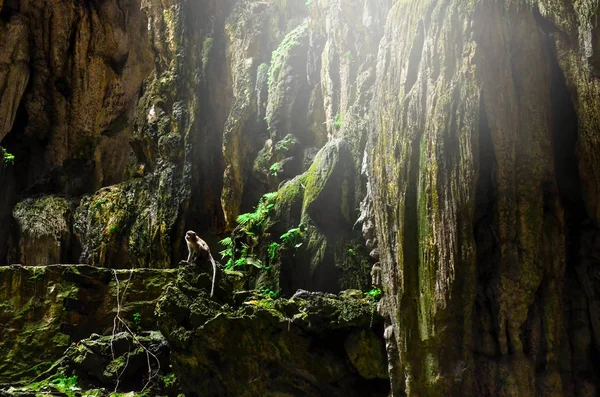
(290, 347)
(483, 196)
(44, 230)
(44, 308)
(467, 130)
(83, 71)
(108, 360)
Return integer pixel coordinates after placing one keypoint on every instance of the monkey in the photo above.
(198, 246)
(376, 275)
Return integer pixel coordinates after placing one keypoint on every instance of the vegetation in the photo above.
(250, 225)
(285, 144)
(373, 295)
(227, 253)
(65, 383)
(8, 157)
(276, 168)
(293, 238)
(273, 250)
(339, 120)
(137, 321)
(206, 50)
(278, 57)
(97, 204)
(253, 223)
(168, 380)
(269, 293)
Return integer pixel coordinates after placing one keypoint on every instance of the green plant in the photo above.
(351, 252)
(169, 380)
(374, 294)
(269, 293)
(97, 204)
(273, 250)
(253, 261)
(276, 169)
(308, 2)
(206, 50)
(251, 223)
(137, 320)
(64, 382)
(113, 229)
(339, 120)
(280, 54)
(227, 253)
(244, 258)
(8, 157)
(293, 238)
(285, 144)
(348, 55)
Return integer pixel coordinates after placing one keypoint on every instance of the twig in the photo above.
(120, 299)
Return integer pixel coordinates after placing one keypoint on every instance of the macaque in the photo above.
(376, 275)
(198, 246)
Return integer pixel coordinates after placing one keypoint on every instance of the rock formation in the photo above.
(454, 142)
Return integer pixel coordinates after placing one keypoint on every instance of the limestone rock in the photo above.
(366, 353)
(108, 359)
(14, 69)
(44, 230)
(288, 346)
(45, 308)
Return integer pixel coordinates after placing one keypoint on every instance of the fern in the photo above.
(8, 157)
(227, 242)
(339, 120)
(273, 250)
(254, 262)
(244, 219)
(270, 196)
(292, 238)
(275, 169)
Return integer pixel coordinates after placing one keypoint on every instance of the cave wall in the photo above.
(466, 130)
(484, 198)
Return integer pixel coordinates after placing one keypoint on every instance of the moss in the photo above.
(48, 215)
(280, 54)
(36, 310)
(289, 200)
(207, 47)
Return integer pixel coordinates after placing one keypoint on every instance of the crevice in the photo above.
(532, 333)
(414, 59)
(486, 240)
(409, 306)
(582, 236)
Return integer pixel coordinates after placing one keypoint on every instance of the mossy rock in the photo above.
(367, 354)
(44, 309)
(328, 199)
(131, 224)
(44, 230)
(104, 360)
(257, 345)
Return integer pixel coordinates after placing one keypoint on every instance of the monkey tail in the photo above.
(212, 289)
